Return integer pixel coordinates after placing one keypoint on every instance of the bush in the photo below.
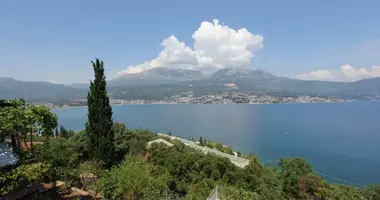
(91, 167)
(201, 190)
(62, 157)
(232, 192)
(23, 176)
(134, 179)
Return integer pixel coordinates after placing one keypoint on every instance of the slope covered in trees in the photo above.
(176, 172)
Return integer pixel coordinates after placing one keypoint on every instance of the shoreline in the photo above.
(316, 102)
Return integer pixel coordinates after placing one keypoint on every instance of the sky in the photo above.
(51, 40)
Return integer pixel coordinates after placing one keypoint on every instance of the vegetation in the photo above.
(63, 132)
(99, 125)
(18, 118)
(219, 146)
(23, 176)
(124, 168)
(134, 179)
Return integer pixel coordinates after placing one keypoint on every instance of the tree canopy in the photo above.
(18, 118)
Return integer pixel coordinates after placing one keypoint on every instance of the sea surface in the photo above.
(340, 140)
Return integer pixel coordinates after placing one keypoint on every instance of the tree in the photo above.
(18, 118)
(232, 192)
(201, 190)
(99, 125)
(56, 132)
(62, 157)
(46, 121)
(292, 170)
(63, 132)
(134, 179)
(12, 120)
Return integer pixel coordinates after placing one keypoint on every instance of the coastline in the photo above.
(312, 102)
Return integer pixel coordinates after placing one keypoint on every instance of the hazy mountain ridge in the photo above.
(160, 82)
(37, 90)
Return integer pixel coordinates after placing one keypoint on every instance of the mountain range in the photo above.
(160, 82)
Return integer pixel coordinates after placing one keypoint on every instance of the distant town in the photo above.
(223, 98)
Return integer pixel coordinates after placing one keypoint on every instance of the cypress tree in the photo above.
(99, 125)
(56, 132)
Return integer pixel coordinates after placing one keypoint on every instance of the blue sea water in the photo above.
(340, 140)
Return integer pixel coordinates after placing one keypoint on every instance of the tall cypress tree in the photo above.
(99, 125)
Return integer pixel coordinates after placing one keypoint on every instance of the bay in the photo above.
(340, 140)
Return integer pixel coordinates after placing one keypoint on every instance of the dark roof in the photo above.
(7, 157)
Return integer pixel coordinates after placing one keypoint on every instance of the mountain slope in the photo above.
(160, 82)
(37, 90)
(240, 73)
(158, 75)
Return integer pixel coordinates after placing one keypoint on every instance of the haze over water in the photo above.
(340, 140)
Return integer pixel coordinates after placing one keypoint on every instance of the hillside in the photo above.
(160, 82)
(37, 90)
(157, 76)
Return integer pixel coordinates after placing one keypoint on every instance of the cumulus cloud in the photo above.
(345, 73)
(215, 46)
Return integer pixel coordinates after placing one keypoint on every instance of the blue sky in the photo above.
(56, 40)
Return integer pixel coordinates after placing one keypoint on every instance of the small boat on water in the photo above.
(285, 133)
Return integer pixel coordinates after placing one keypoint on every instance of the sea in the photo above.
(340, 140)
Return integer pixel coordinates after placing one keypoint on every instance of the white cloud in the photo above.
(216, 46)
(316, 75)
(345, 73)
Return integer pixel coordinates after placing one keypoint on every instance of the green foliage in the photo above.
(228, 150)
(177, 171)
(292, 170)
(63, 132)
(23, 176)
(18, 118)
(62, 156)
(201, 141)
(201, 190)
(130, 142)
(134, 179)
(371, 192)
(99, 125)
(34, 138)
(232, 192)
(219, 147)
(91, 167)
(46, 120)
(263, 181)
(12, 116)
(79, 142)
(188, 166)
